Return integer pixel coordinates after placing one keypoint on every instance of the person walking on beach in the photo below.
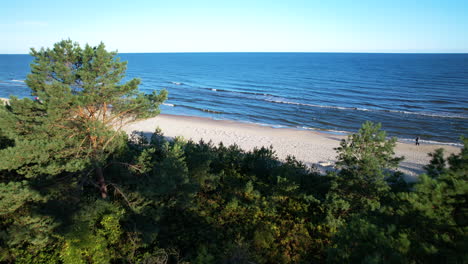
(417, 141)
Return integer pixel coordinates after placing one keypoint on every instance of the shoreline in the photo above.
(312, 146)
(325, 131)
(299, 128)
(309, 146)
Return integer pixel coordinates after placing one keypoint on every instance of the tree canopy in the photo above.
(66, 198)
(81, 104)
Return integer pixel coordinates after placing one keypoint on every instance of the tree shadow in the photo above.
(411, 171)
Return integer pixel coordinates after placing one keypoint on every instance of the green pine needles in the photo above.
(66, 198)
(74, 123)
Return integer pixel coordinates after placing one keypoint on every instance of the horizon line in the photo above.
(335, 52)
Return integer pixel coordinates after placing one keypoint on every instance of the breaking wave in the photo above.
(238, 92)
(201, 109)
(441, 115)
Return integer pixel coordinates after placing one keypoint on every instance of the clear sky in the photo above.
(238, 25)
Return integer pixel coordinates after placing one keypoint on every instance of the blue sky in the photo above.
(238, 26)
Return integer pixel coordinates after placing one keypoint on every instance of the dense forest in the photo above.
(75, 189)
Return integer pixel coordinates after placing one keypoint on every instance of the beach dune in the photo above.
(311, 147)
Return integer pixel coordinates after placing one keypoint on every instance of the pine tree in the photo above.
(436, 211)
(437, 165)
(367, 154)
(82, 103)
(365, 161)
(427, 224)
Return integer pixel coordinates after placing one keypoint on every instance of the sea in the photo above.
(411, 95)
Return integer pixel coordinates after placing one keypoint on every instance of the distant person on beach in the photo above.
(417, 141)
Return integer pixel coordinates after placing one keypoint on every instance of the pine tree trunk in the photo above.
(101, 182)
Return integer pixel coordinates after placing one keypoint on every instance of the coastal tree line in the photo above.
(75, 189)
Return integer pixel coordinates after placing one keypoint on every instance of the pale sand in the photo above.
(310, 147)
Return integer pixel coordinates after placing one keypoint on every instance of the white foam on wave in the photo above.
(177, 83)
(320, 106)
(442, 115)
(449, 115)
(328, 131)
(166, 104)
(209, 110)
(345, 133)
(256, 94)
(264, 124)
(13, 83)
(402, 140)
(201, 109)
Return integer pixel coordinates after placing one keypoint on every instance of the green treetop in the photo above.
(366, 163)
(75, 122)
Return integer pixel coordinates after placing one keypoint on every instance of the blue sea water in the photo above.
(423, 95)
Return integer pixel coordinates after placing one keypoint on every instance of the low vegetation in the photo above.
(75, 190)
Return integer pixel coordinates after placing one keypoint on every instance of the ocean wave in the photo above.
(238, 92)
(320, 106)
(439, 115)
(323, 130)
(210, 111)
(13, 83)
(201, 109)
(402, 140)
(167, 104)
(262, 124)
(177, 83)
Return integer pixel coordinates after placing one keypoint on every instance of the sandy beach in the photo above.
(311, 147)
